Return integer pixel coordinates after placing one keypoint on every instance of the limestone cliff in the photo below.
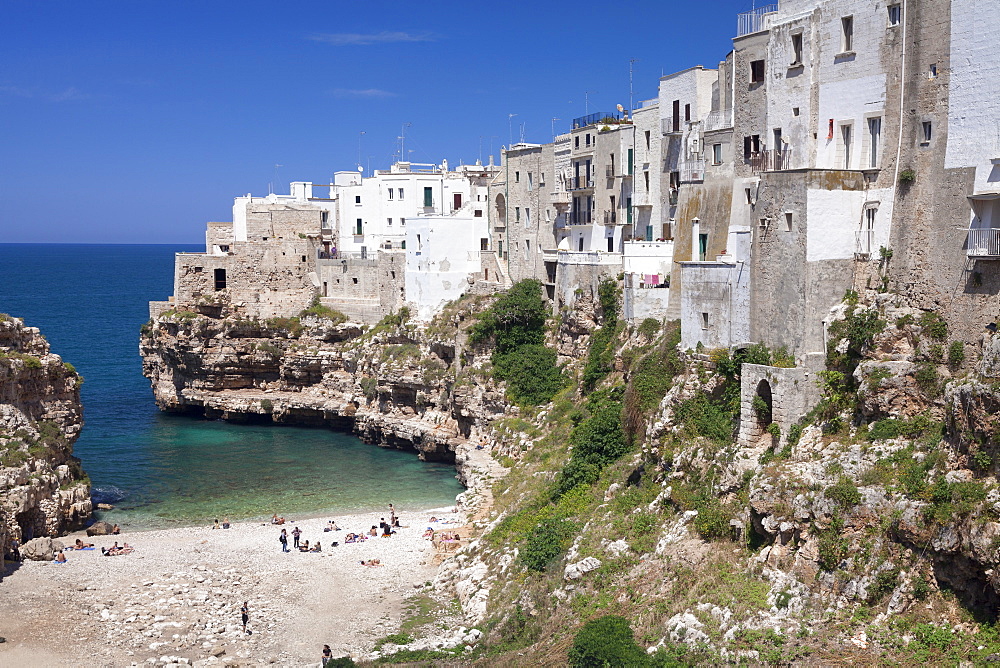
(43, 489)
(395, 385)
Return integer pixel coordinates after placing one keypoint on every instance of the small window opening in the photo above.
(220, 279)
(926, 125)
(756, 71)
(788, 221)
(704, 320)
(847, 34)
(796, 49)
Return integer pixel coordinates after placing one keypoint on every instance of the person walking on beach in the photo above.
(245, 615)
(327, 654)
(296, 532)
(392, 515)
(283, 539)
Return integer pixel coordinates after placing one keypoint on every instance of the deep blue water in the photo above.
(90, 301)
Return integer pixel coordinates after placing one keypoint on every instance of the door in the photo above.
(458, 201)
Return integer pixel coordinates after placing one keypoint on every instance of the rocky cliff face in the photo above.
(43, 490)
(394, 385)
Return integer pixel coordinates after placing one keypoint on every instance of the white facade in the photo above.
(715, 297)
(373, 212)
(442, 254)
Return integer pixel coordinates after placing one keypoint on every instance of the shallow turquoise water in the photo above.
(164, 470)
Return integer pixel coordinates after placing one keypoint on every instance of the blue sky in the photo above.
(137, 122)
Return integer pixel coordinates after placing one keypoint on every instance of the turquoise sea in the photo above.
(164, 470)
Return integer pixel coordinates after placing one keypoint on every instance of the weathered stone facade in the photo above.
(789, 393)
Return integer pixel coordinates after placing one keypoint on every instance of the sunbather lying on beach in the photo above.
(331, 526)
(316, 548)
(372, 563)
(80, 545)
(429, 534)
(277, 520)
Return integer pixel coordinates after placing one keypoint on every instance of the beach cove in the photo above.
(179, 594)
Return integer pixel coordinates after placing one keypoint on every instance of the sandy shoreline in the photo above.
(180, 592)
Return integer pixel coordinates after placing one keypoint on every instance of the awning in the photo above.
(977, 201)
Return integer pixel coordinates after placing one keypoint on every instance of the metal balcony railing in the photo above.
(580, 218)
(984, 243)
(611, 217)
(754, 21)
(580, 183)
(771, 160)
(864, 241)
(595, 118)
(692, 170)
(717, 120)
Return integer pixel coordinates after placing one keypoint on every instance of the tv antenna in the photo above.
(510, 129)
(586, 101)
(360, 135)
(631, 104)
(554, 119)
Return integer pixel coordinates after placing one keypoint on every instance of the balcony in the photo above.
(580, 218)
(579, 183)
(984, 243)
(864, 241)
(600, 258)
(602, 117)
(759, 19)
(772, 160)
(611, 217)
(640, 199)
(692, 170)
(560, 198)
(718, 120)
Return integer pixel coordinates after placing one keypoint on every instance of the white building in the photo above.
(373, 212)
(442, 257)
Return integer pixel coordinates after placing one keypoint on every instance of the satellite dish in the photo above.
(360, 168)
(621, 109)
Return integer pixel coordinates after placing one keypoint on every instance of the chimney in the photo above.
(695, 240)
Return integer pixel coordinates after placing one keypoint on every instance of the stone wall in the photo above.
(794, 393)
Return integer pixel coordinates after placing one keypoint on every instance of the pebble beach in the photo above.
(177, 597)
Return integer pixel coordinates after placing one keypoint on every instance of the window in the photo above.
(527, 217)
(645, 176)
(788, 221)
(932, 71)
(647, 140)
(517, 214)
(716, 154)
(357, 199)
(687, 112)
(402, 222)
(795, 111)
(548, 215)
(847, 34)
(220, 279)
(677, 116)
(323, 217)
(478, 213)
(517, 177)
(355, 280)
(756, 71)
(926, 126)
(845, 144)
(702, 246)
(428, 196)
(400, 193)
(358, 228)
(796, 49)
(527, 248)
(541, 179)
(576, 141)
(588, 139)
(611, 244)
(389, 221)
(390, 193)
(751, 145)
(704, 320)
(749, 195)
(530, 181)
(895, 14)
(874, 141)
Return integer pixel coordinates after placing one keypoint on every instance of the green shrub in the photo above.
(795, 433)
(597, 441)
(318, 310)
(394, 320)
(904, 321)
(546, 543)
(369, 386)
(956, 354)
(705, 418)
(712, 520)
(845, 492)
(921, 589)
(517, 318)
(290, 326)
(531, 374)
(602, 353)
(649, 379)
(832, 546)
(606, 641)
(933, 325)
(884, 583)
(935, 353)
(266, 406)
(774, 430)
(927, 379)
(907, 176)
(649, 327)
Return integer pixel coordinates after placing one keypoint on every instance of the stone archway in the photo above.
(501, 203)
(763, 404)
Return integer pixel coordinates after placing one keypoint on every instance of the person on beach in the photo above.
(283, 539)
(392, 514)
(80, 545)
(216, 525)
(115, 530)
(245, 615)
(225, 523)
(382, 525)
(60, 557)
(296, 532)
(373, 531)
(304, 547)
(327, 654)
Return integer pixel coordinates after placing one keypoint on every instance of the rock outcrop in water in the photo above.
(43, 489)
(395, 385)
